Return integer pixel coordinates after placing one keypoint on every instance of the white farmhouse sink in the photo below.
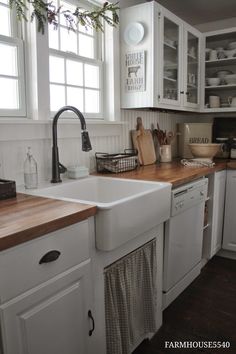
(126, 208)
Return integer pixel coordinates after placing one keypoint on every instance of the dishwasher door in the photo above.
(183, 238)
(183, 245)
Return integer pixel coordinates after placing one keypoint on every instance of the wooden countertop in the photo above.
(26, 217)
(231, 165)
(173, 172)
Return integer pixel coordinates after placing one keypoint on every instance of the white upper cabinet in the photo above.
(160, 59)
(219, 71)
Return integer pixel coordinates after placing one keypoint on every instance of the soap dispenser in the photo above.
(30, 171)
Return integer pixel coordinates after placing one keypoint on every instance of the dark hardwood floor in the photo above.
(205, 311)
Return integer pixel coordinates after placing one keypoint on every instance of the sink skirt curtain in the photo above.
(130, 299)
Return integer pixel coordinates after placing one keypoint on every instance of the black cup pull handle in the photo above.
(93, 323)
(50, 256)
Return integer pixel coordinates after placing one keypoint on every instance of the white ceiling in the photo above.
(195, 11)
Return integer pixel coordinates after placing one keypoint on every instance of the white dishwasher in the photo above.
(183, 238)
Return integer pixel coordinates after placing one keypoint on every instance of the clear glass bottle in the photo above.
(30, 171)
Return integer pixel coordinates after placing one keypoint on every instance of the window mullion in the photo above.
(65, 73)
(83, 88)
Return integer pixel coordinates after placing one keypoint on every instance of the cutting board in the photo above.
(134, 136)
(143, 142)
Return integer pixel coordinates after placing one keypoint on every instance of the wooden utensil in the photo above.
(145, 144)
(170, 136)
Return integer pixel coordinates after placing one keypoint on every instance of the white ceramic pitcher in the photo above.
(165, 153)
(232, 101)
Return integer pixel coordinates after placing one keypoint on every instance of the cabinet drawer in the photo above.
(20, 267)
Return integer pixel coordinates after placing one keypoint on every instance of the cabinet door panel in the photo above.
(53, 325)
(229, 238)
(192, 68)
(170, 61)
(49, 319)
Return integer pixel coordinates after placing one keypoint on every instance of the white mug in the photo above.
(165, 153)
(214, 101)
(213, 55)
(232, 101)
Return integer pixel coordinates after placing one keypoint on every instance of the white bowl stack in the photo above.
(230, 79)
(213, 81)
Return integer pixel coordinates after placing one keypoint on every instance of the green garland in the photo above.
(47, 12)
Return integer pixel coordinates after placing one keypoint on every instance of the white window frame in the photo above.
(99, 64)
(15, 40)
(97, 61)
(21, 111)
(34, 68)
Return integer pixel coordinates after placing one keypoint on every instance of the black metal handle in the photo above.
(62, 168)
(93, 323)
(187, 93)
(50, 256)
(182, 92)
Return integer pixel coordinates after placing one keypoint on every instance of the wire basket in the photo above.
(115, 163)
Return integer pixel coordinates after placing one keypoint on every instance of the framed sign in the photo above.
(135, 71)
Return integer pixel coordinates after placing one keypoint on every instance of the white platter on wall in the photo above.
(133, 33)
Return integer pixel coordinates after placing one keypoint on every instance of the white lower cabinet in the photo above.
(218, 211)
(229, 236)
(213, 230)
(54, 317)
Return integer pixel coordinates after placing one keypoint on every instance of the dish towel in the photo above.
(197, 163)
(131, 299)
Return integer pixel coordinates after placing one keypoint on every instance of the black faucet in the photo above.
(57, 167)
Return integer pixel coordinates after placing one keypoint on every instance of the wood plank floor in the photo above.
(205, 311)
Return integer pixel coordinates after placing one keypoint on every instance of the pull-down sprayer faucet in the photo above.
(57, 167)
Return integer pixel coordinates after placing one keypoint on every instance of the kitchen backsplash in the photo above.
(110, 139)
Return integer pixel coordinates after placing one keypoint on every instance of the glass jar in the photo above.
(30, 171)
(225, 148)
(233, 149)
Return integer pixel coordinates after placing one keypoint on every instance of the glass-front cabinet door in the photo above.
(192, 66)
(170, 60)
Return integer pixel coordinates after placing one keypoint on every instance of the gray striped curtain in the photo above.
(130, 299)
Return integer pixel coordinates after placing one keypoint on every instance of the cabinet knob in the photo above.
(181, 92)
(50, 256)
(93, 323)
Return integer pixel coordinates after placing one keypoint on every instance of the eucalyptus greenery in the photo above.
(47, 12)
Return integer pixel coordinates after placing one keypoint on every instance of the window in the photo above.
(75, 67)
(12, 89)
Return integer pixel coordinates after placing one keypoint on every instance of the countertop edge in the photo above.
(17, 237)
(199, 174)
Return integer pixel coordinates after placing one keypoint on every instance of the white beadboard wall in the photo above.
(15, 138)
(13, 153)
(166, 122)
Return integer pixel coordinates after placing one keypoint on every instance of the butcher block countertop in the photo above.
(173, 172)
(231, 165)
(26, 217)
